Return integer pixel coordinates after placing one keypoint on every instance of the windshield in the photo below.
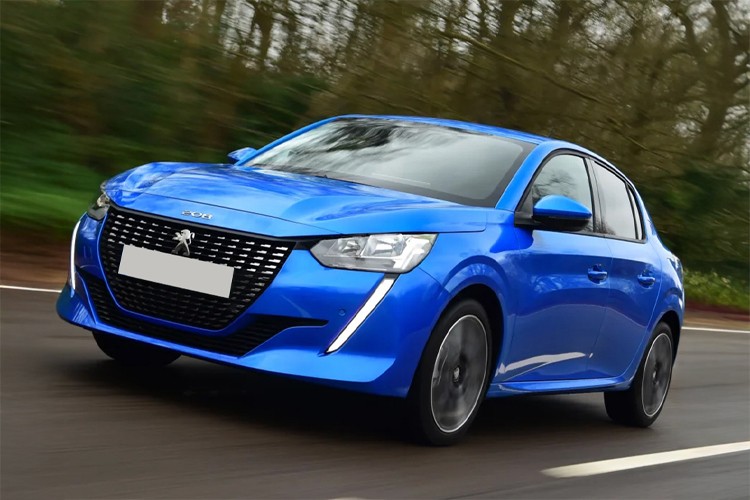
(430, 160)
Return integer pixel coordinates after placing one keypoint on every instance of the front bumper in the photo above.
(379, 358)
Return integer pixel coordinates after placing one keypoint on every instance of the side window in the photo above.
(619, 214)
(565, 175)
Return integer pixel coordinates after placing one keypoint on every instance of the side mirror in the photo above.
(560, 213)
(238, 154)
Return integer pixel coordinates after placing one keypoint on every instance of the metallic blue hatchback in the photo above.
(433, 260)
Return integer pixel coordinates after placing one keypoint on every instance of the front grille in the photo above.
(237, 344)
(256, 261)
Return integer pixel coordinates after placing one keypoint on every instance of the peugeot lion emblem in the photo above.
(184, 238)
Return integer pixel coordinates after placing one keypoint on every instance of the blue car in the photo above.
(437, 261)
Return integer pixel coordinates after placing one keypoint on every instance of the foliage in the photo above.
(89, 90)
(659, 87)
(714, 289)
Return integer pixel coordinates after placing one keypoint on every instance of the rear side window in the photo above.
(564, 175)
(620, 216)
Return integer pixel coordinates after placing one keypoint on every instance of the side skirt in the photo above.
(558, 386)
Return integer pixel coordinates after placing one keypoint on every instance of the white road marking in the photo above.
(696, 328)
(627, 463)
(29, 289)
(706, 329)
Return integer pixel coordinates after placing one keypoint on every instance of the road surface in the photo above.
(76, 425)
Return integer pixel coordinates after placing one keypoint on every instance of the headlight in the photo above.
(99, 207)
(388, 253)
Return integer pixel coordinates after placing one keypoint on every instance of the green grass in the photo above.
(712, 288)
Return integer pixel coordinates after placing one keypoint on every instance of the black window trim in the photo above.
(524, 219)
(636, 217)
(634, 205)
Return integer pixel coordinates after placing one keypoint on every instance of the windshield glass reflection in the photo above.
(441, 162)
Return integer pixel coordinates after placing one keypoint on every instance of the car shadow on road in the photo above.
(295, 406)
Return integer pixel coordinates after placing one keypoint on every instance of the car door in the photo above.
(561, 282)
(634, 275)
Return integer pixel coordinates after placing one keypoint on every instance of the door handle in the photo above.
(646, 279)
(597, 274)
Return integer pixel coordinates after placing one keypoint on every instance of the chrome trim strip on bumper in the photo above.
(359, 318)
(72, 276)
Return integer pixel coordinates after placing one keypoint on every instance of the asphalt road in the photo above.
(76, 425)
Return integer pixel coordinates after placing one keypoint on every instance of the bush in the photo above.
(712, 288)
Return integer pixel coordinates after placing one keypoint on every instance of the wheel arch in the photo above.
(672, 319)
(489, 300)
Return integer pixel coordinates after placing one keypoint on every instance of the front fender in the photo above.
(461, 260)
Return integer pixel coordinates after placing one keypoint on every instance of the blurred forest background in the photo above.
(659, 87)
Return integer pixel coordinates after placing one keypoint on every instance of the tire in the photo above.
(133, 353)
(452, 377)
(641, 404)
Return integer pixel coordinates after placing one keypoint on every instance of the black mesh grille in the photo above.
(235, 344)
(256, 261)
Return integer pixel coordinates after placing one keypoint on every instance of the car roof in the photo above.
(477, 127)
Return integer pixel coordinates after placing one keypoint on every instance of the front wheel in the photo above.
(640, 405)
(452, 377)
(133, 353)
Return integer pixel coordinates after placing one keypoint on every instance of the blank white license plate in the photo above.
(177, 271)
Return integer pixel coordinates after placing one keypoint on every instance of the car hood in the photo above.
(330, 205)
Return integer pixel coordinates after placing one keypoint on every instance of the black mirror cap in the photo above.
(560, 223)
(527, 220)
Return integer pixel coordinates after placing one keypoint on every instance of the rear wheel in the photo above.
(133, 353)
(452, 377)
(641, 405)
